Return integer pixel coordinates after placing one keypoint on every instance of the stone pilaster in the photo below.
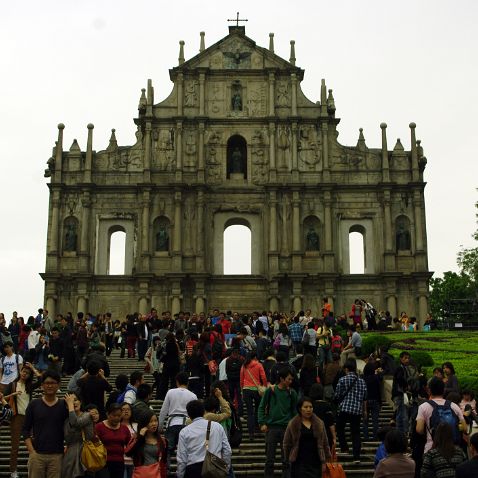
(271, 94)
(329, 252)
(295, 167)
(179, 151)
(202, 78)
(147, 153)
(293, 87)
(273, 252)
(417, 208)
(177, 242)
(85, 232)
(201, 153)
(180, 84)
(324, 127)
(389, 252)
(272, 152)
(296, 232)
(200, 233)
(145, 228)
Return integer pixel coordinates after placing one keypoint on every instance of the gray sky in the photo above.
(79, 62)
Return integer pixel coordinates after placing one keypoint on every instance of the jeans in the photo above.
(172, 437)
(402, 414)
(325, 355)
(373, 410)
(354, 420)
(275, 435)
(252, 399)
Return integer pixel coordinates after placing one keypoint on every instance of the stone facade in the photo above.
(236, 142)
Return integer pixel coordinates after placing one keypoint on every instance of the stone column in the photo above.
(274, 303)
(59, 154)
(179, 150)
(145, 228)
(272, 146)
(325, 150)
(415, 169)
(85, 231)
(50, 303)
(297, 295)
(175, 297)
(199, 304)
(54, 227)
(147, 153)
(422, 309)
(392, 304)
(201, 153)
(177, 243)
(271, 94)
(180, 82)
(202, 77)
(417, 203)
(389, 253)
(273, 221)
(143, 305)
(82, 304)
(200, 232)
(293, 85)
(296, 233)
(329, 265)
(295, 166)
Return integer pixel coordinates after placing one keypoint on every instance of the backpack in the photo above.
(233, 368)
(444, 413)
(121, 396)
(336, 344)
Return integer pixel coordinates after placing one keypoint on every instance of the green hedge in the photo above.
(370, 344)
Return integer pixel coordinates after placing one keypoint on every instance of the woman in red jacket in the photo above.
(253, 378)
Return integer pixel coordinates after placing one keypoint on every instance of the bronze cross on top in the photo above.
(237, 20)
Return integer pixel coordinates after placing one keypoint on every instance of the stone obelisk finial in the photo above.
(202, 45)
(271, 42)
(385, 163)
(181, 52)
(292, 52)
(89, 154)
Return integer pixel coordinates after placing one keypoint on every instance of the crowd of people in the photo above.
(292, 377)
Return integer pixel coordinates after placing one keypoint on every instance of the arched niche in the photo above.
(311, 234)
(116, 251)
(106, 226)
(161, 240)
(222, 220)
(236, 157)
(70, 238)
(237, 248)
(364, 227)
(403, 236)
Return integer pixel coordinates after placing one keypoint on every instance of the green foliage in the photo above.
(450, 286)
(468, 260)
(469, 383)
(370, 344)
(421, 358)
(341, 331)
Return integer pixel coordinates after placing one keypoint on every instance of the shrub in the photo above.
(372, 343)
(421, 358)
(469, 383)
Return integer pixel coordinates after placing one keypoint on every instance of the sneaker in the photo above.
(356, 462)
(14, 474)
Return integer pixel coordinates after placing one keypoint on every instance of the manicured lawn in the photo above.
(459, 348)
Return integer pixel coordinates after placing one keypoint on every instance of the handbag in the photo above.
(213, 466)
(334, 470)
(93, 454)
(260, 388)
(147, 471)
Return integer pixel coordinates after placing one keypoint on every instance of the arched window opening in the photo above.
(117, 253)
(236, 157)
(237, 250)
(357, 252)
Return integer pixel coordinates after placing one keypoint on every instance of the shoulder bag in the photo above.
(260, 388)
(93, 454)
(213, 466)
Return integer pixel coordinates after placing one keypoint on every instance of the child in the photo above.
(381, 453)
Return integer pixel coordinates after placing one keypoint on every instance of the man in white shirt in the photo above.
(10, 367)
(34, 337)
(174, 407)
(425, 410)
(191, 447)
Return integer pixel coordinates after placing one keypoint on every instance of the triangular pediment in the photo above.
(236, 51)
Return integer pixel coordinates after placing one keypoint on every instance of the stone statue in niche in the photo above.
(312, 240)
(403, 239)
(237, 164)
(162, 239)
(190, 95)
(71, 238)
(283, 144)
(236, 101)
(282, 95)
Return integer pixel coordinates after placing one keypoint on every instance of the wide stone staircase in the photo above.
(248, 460)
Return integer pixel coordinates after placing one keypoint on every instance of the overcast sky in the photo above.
(80, 62)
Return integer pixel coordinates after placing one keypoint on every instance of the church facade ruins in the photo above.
(236, 142)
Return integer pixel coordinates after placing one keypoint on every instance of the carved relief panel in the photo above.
(310, 149)
(259, 156)
(214, 152)
(163, 157)
(190, 148)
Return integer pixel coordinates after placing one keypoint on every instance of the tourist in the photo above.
(353, 347)
(127, 420)
(324, 335)
(79, 426)
(68, 353)
(450, 380)
(217, 408)
(469, 468)
(444, 456)
(135, 380)
(92, 386)
(468, 407)
(396, 464)
(148, 448)
(330, 373)
(425, 413)
(14, 330)
(22, 391)
(153, 363)
(141, 404)
(323, 409)
(144, 332)
(10, 367)
(305, 443)
(233, 372)
(170, 360)
(309, 340)
(381, 451)
(309, 374)
(373, 380)
(263, 344)
(296, 332)
(205, 351)
(399, 390)
(114, 436)
(356, 313)
(195, 368)
(283, 342)
(44, 420)
(121, 382)
(39, 355)
(191, 450)
(174, 407)
(351, 396)
(252, 378)
(131, 336)
(277, 408)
